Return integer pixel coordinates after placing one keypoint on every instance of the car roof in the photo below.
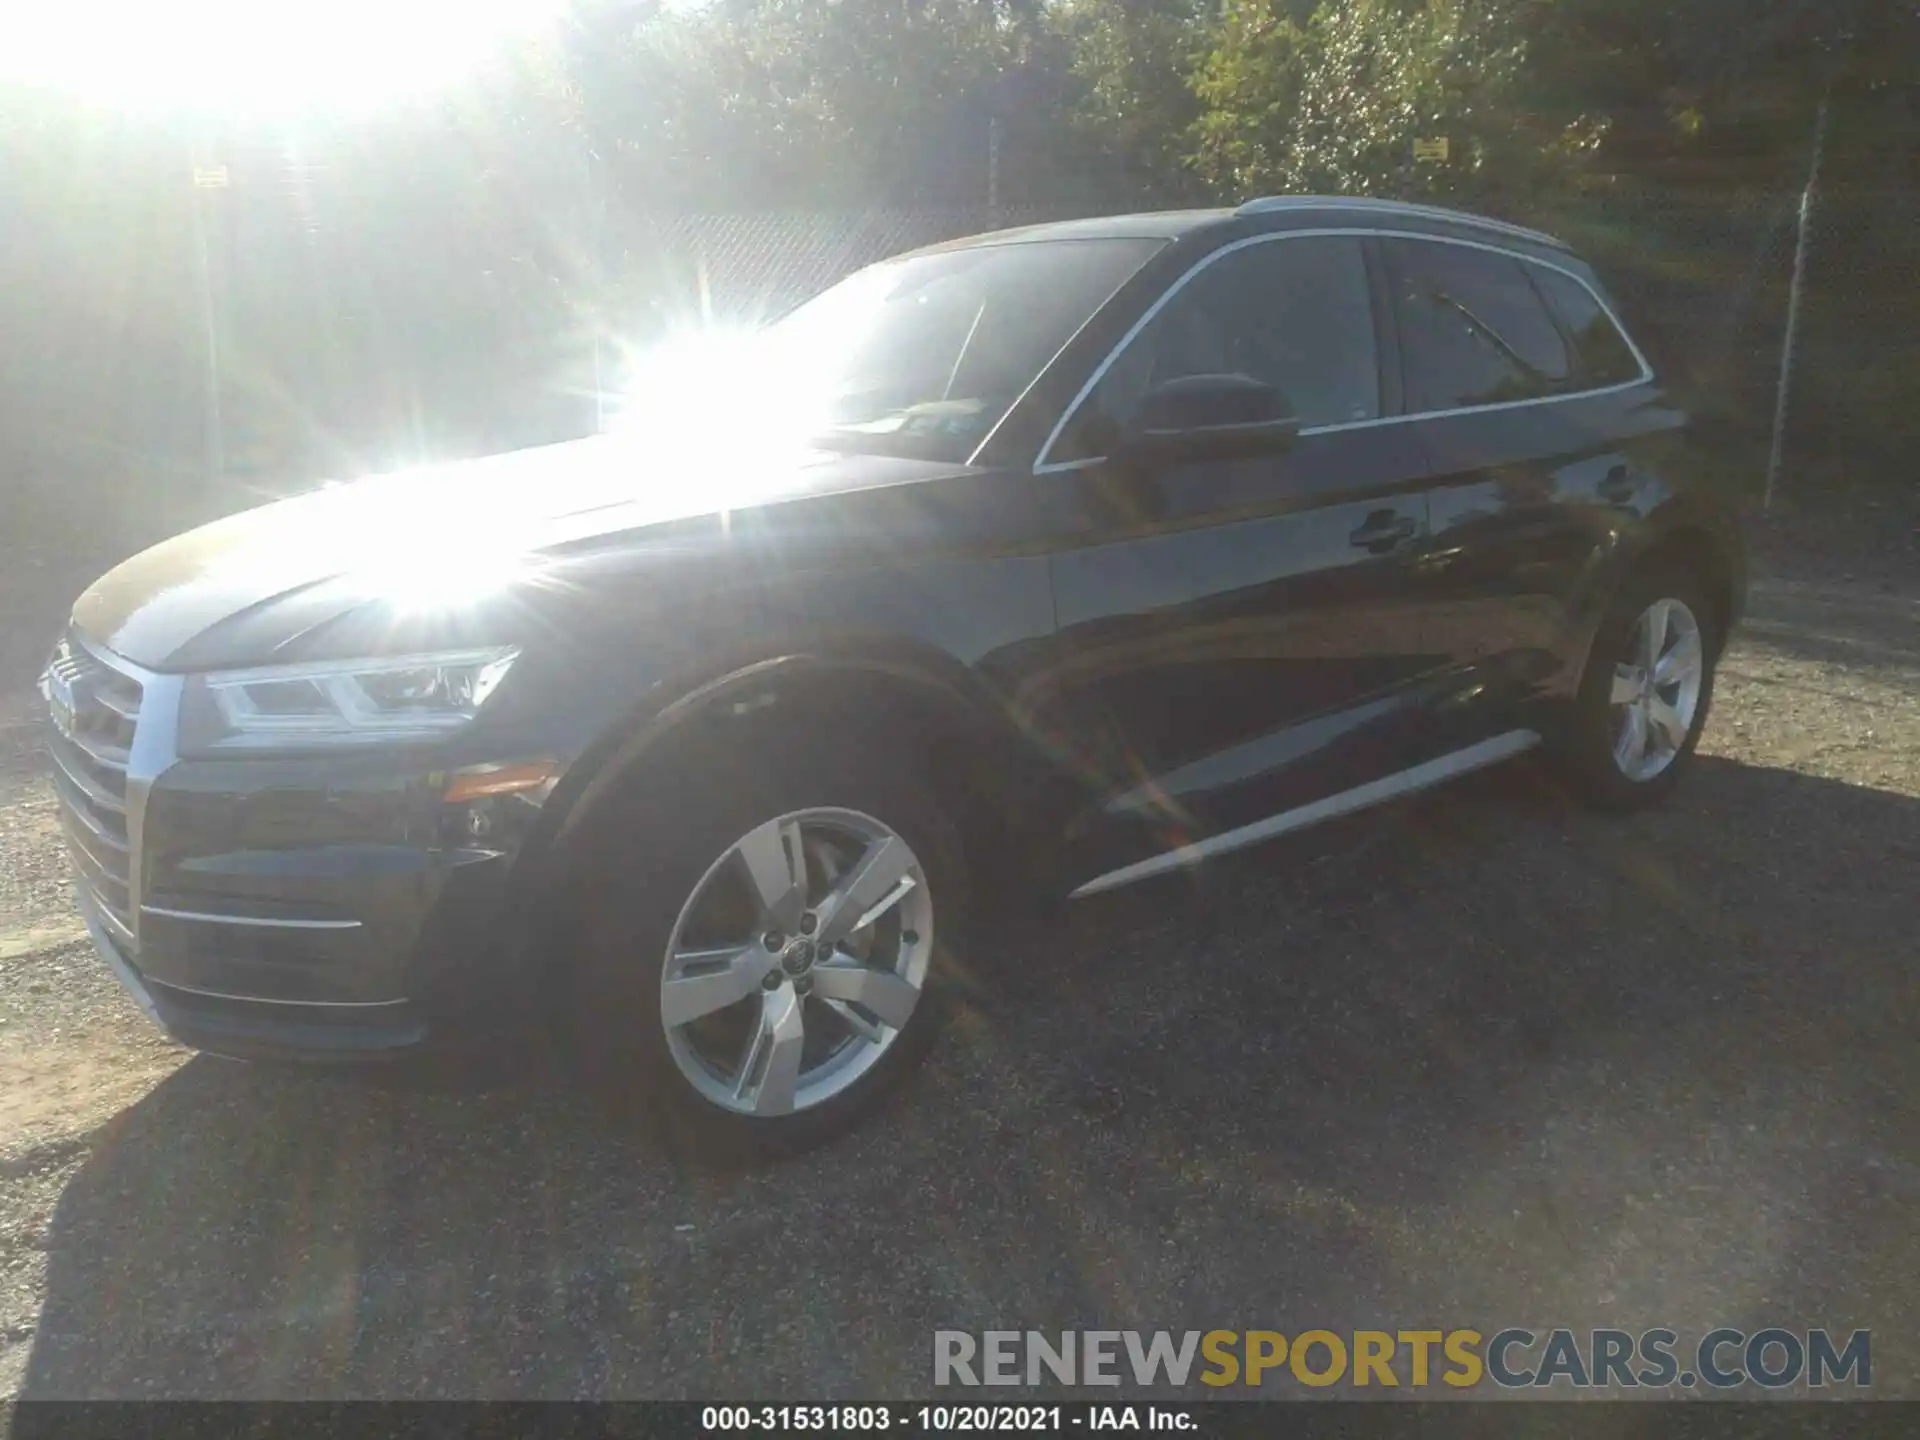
(1407, 212)
(1151, 225)
(1173, 224)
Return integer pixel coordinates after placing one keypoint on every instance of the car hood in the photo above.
(437, 545)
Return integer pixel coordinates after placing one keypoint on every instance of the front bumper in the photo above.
(253, 1029)
(328, 908)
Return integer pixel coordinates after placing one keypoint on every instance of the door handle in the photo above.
(1382, 531)
(1619, 485)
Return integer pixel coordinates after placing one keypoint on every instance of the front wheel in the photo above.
(1645, 695)
(771, 977)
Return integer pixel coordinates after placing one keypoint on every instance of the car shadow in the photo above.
(1848, 626)
(1478, 1060)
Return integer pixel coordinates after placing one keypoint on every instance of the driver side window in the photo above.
(1294, 313)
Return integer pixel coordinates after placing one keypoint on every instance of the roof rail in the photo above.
(1268, 204)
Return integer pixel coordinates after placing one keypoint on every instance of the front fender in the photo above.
(935, 685)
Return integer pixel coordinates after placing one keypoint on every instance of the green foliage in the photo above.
(835, 103)
(795, 102)
(1334, 104)
(416, 261)
(1132, 61)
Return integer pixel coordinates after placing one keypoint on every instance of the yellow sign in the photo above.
(1434, 149)
(210, 177)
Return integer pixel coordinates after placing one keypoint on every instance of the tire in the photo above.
(680, 874)
(1596, 753)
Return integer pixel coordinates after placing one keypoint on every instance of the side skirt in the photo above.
(1374, 792)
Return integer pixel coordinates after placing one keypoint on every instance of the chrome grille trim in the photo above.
(111, 757)
(269, 922)
(114, 726)
(76, 775)
(82, 813)
(95, 908)
(95, 703)
(109, 889)
(126, 709)
(95, 710)
(257, 1000)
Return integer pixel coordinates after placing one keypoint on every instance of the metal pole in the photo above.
(1790, 344)
(599, 387)
(993, 169)
(216, 460)
(597, 279)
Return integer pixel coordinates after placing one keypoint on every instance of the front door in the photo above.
(1240, 637)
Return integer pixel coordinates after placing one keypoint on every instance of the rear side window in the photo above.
(1294, 313)
(1605, 356)
(1473, 330)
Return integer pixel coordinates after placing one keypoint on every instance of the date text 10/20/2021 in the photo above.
(852, 1419)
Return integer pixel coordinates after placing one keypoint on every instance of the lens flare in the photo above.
(731, 403)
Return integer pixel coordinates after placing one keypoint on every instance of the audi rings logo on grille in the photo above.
(58, 686)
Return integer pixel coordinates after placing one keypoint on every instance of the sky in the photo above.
(256, 56)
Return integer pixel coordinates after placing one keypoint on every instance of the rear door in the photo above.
(1239, 637)
(1523, 431)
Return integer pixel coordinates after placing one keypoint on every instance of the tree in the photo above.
(802, 103)
(1132, 61)
(1334, 102)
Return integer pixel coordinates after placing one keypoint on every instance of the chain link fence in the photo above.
(752, 267)
(303, 322)
(1854, 418)
(1703, 280)
(1707, 278)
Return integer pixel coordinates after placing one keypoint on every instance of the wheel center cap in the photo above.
(798, 957)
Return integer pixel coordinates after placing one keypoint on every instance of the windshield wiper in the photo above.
(1534, 372)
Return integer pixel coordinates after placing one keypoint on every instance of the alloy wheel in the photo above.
(1656, 690)
(796, 962)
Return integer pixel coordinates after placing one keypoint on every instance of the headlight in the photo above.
(411, 697)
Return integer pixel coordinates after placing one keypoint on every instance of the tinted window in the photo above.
(1294, 313)
(1605, 356)
(1473, 330)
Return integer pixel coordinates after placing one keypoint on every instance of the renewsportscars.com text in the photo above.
(1511, 1359)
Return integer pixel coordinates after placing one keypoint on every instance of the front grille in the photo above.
(95, 709)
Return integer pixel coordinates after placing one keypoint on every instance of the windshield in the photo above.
(918, 357)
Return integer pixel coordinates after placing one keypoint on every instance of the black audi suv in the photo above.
(1074, 554)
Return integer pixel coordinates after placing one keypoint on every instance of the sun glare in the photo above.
(753, 395)
(255, 56)
(725, 399)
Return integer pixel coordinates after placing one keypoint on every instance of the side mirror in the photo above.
(1209, 417)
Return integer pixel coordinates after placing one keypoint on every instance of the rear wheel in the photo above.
(1645, 695)
(771, 977)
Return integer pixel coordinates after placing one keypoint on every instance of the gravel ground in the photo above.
(1478, 1060)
